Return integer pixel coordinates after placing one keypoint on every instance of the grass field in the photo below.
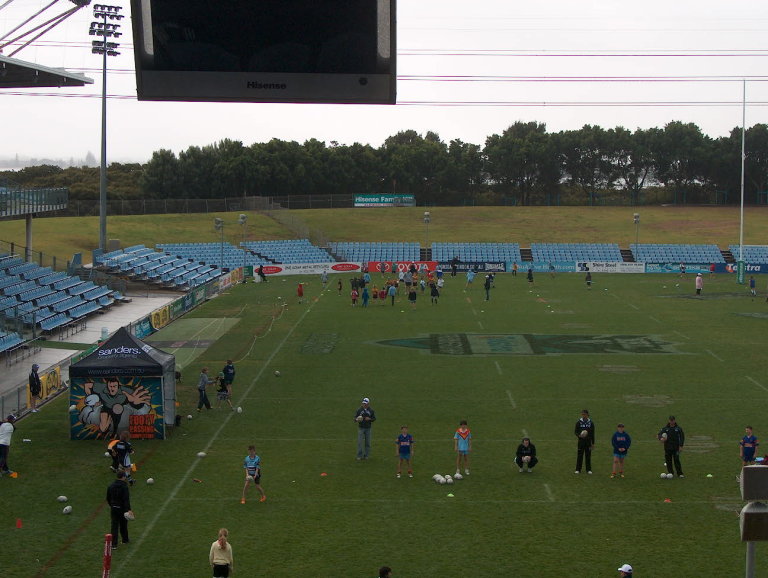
(634, 349)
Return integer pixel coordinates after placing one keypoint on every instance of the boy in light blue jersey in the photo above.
(462, 445)
(620, 442)
(252, 466)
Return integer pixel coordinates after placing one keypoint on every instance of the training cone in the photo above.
(667, 501)
(323, 475)
(18, 523)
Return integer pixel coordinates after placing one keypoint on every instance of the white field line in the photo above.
(683, 335)
(550, 496)
(652, 318)
(713, 354)
(633, 306)
(498, 367)
(511, 401)
(480, 324)
(161, 510)
(757, 383)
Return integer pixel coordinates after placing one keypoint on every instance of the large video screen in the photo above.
(322, 51)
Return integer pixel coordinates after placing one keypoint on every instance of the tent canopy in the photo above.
(124, 354)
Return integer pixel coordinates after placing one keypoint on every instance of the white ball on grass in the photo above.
(67, 510)
(189, 416)
(62, 498)
(457, 476)
(150, 481)
(200, 454)
(670, 476)
(663, 476)
(448, 480)
(277, 373)
(239, 409)
(442, 480)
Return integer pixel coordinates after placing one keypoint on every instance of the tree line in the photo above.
(523, 165)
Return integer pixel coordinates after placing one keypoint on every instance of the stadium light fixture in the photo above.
(105, 30)
(243, 220)
(427, 220)
(636, 220)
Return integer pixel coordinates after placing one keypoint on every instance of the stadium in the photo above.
(635, 313)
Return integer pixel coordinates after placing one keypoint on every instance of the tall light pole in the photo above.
(242, 220)
(218, 224)
(427, 219)
(636, 219)
(105, 30)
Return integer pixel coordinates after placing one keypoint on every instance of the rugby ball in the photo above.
(239, 409)
(150, 481)
(670, 476)
(448, 480)
(277, 373)
(442, 480)
(62, 498)
(526, 458)
(434, 478)
(663, 476)
(200, 454)
(584, 433)
(189, 416)
(359, 418)
(249, 478)
(663, 437)
(129, 515)
(67, 510)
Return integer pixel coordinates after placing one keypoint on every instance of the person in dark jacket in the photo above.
(526, 455)
(119, 500)
(364, 417)
(585, 433)
(673, 438)
(35, 387)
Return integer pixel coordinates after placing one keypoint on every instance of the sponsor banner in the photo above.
(310, 268)
(178, 307)
(50, 382)
(609, 267)
(161, 317)
(397, 266)
(385, 200)
(489, 266)
(105, 407)
(143, 328)
(749, 269)
(225, 281)
(675, 268)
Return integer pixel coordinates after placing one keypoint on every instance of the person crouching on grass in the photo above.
(620, 442)
(252, 466)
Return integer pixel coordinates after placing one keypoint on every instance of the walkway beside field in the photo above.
(119, 315)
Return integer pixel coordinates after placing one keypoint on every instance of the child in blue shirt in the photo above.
(404, 443)
(620, 442)
(462, 445)
(748, 447)
(252, 466)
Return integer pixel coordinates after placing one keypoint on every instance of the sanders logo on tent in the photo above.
(122, 350)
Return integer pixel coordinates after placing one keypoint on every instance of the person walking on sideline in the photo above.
(35, 387)
(364, 417)
(202, 383)
(220, 556)
(119, 500)
(673, 438)
(585, 434)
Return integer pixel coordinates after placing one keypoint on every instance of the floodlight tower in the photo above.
(427, 220)
(105, 29)
(636, 220)
(242, 220)
(218, 224)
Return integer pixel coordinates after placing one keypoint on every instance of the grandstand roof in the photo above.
(15, 73)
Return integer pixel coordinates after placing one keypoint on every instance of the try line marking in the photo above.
(549, 493)
(498, 367)
(161, 510)
(712, 353)
(511, 401)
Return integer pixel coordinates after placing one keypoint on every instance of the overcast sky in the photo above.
(565, 63)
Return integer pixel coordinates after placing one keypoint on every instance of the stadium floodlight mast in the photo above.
(243, 220)
(427, 220)
(218, 224)
(106, 26)
(636, 220)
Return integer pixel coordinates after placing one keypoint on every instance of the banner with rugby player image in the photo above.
(102, 408)
(124, 385)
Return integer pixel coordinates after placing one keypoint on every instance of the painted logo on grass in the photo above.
(532, 344)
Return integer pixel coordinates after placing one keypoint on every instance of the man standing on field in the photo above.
(364, 417)
(585, 433)
(673, 438)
